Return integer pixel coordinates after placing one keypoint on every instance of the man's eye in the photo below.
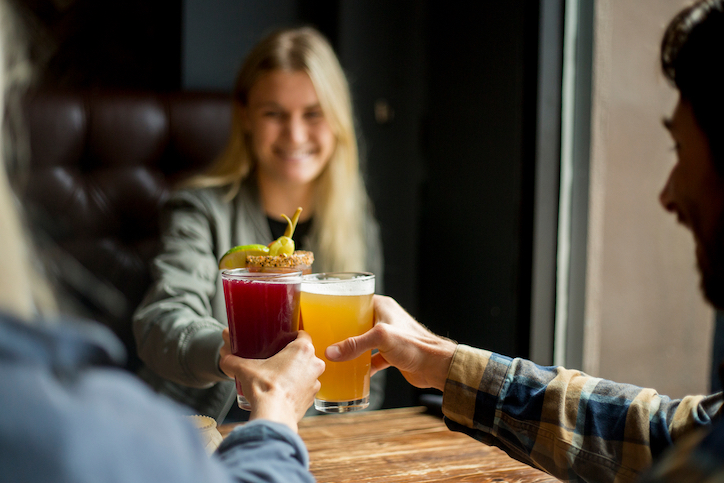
(272, 114)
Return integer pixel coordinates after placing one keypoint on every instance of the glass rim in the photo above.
(270, 277)
(337, 277)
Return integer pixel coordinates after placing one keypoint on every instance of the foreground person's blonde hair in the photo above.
(341, 202)
(23, 291)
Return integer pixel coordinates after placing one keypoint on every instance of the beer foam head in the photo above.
(339, 283)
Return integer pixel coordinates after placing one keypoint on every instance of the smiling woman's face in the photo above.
(694, 192)
(291, 139)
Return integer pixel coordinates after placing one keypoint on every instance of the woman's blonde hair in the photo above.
(24, 291)
(341, 202)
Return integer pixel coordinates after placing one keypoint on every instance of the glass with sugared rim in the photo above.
(263, 313)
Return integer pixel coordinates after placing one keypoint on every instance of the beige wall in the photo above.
(646, 322)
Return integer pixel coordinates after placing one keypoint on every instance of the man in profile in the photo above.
(571, 425)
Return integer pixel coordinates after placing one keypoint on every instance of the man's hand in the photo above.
(280, 388)
(421, 356)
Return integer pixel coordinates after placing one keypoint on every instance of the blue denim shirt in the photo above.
(67, 413)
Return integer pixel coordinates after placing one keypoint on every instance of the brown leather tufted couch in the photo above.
(101, 165)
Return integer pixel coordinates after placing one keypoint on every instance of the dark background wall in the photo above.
(477, 196)
(445, 97)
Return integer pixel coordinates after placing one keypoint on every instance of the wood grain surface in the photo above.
(403, 445)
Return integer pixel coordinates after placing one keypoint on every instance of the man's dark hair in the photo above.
(692, 58)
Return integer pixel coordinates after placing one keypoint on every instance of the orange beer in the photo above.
(336, 306)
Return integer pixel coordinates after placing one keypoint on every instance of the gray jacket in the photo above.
(178, 325)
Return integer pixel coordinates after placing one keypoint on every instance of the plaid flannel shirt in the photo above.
(571, 425)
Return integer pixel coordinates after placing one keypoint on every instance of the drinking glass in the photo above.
(263, 313)
(335, 306)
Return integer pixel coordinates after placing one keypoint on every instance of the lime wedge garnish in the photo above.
(236, 257)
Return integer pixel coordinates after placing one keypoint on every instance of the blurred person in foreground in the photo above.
(571, 425)
(292, 144)
(69, 412)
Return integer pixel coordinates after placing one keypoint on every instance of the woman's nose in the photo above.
(297, 130)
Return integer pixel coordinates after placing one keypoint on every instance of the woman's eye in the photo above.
(272, 114)
(314, 115)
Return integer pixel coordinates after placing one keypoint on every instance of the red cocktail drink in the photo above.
(263, 313)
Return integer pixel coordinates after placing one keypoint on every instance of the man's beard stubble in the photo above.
(712, 268)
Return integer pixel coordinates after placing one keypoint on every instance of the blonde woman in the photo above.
(292, 144)
(68, 413)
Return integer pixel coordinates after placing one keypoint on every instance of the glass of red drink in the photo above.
(263, 313)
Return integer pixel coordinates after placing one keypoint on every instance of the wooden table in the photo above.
(403, 445)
